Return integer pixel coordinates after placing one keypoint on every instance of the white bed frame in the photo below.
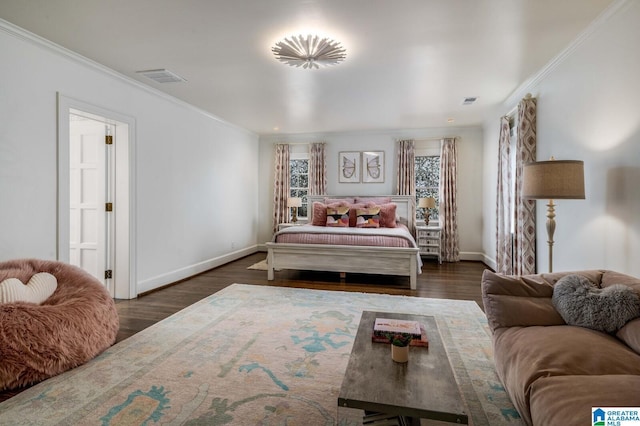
(355, 259)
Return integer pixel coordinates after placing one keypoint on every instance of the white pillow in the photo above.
(37, 290)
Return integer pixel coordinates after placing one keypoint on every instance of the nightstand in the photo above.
(429, 242)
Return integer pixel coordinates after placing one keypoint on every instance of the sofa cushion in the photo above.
(567, 400)
(630, 334)
(518, 301)
(525, 354)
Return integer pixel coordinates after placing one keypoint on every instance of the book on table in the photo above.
(383, 328)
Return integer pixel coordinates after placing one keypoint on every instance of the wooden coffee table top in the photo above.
(425, 387)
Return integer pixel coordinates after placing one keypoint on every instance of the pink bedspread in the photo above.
(378, 237)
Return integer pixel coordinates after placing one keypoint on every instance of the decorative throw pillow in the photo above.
(319, 214)
(338, 216)
(388, 215)
(368, 217)
(582, 303)
(37, 290)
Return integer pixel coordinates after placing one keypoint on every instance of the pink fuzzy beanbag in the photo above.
(76, 323)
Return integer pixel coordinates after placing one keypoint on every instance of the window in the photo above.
(299, 184)
(427, 168)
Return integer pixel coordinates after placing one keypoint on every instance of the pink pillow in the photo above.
(388, 215)
(319, 214)
(374, 200)
(352, 213)
(339, 200)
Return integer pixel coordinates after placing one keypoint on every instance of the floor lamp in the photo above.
(552, 180)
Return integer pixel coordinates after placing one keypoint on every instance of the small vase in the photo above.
(400, 353)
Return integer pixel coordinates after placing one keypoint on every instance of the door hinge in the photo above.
(108, 139)
(108, 274)
(108, 207)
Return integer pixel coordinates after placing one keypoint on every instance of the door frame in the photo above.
(125, 242)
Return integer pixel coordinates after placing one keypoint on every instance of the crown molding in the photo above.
(29, 37)
(532, 82)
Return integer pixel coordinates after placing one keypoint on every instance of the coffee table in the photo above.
(425, 387)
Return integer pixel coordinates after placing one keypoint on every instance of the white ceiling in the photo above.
(409, 62)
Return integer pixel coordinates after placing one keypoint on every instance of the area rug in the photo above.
(254, 355)
(260, 266)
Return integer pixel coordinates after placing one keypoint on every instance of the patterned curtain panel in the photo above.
(281, 182)
(318, 169)
(448, 203)
(406, 168)
(524, 251)
(504, 220)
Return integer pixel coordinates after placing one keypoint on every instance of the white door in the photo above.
(91, 187)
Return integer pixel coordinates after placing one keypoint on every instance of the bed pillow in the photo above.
(338, 216)
(388, 215)
(319, 214)
(339, 200)
(368, 217)
(374, 200)
(353, 208)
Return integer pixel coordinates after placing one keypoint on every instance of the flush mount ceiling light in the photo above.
(309, 52)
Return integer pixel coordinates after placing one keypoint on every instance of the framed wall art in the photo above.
(349, 167)
(373, 166)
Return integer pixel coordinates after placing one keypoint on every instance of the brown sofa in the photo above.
(555, 373)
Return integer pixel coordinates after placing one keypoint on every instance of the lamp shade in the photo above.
(555, 179)
(427, 203)
(294, 202)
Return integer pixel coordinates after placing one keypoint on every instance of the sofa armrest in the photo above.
(525, 300)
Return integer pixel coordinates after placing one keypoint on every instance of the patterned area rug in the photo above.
(254, 355)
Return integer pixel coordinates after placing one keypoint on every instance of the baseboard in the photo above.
(191, 270)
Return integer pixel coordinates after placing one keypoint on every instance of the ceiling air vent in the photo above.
(469, 100)
(162, 76)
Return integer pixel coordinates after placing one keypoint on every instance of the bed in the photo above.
(354, 257)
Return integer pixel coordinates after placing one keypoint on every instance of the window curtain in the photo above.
(504, 249)
(524, 242)
(448, 203)
(281, 182)
(318, 169)
(406, 176)
(406, 179)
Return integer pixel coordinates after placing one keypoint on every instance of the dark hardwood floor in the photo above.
(459, 280)
(446, 281)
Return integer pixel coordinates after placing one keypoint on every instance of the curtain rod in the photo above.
(435, 139)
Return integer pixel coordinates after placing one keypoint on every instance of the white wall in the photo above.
(196, 176)
(469, 173)
(588, 110)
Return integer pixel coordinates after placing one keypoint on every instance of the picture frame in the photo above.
(373, 166)
(349, 167)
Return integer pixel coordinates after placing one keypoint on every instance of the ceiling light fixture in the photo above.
(309, 52)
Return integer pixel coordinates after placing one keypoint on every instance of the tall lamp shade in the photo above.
(553, 180)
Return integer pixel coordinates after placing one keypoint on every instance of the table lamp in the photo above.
(427, 203)
(554, 179)
(294, 202)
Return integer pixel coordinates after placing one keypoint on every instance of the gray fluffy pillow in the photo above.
(582, 303)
